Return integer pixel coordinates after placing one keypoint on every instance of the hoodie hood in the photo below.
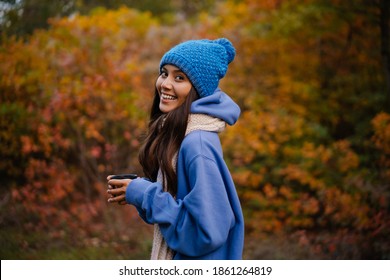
(218, 105)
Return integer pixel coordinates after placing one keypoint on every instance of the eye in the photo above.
(163, 73)
(180, 78)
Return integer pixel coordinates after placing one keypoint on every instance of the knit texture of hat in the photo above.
(204, 62)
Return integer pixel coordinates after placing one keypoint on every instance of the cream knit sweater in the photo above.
(160, 249)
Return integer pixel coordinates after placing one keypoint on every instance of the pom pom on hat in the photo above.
(204, 62)
(230, 50)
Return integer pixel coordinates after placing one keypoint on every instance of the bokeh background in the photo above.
(310, 154)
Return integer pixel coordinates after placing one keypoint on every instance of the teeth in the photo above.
(166, 96)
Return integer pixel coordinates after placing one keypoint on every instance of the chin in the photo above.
(165, 109)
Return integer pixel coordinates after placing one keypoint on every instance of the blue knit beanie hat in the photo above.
(204, 62)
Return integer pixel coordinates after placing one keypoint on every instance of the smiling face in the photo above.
(173, 87)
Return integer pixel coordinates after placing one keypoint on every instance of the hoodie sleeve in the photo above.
(197, 224)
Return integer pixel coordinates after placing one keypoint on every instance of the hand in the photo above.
(117, 189)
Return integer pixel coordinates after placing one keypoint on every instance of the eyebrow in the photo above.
(175, 71)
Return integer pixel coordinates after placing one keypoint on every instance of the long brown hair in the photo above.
(163, 140)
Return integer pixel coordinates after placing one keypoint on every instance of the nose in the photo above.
(166, 83)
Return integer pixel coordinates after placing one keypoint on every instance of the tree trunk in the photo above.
(385, 46)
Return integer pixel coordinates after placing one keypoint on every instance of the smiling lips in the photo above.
(168, 97)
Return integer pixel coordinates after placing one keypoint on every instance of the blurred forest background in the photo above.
(310, 154)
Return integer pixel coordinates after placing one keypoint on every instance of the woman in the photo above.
(190, 196)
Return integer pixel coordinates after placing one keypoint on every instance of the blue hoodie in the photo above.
(205, 219)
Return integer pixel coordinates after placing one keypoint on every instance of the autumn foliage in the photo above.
(310, 155)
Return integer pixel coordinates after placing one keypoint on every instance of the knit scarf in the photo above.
(160, 249)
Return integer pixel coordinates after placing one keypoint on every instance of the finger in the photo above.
(112, 199)
(118, 199)
(117, 191)
(118, 182)
(114, 187)
(123, 202)
(109, 177)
